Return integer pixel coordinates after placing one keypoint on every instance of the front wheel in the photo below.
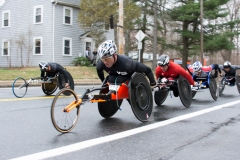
(64, 121)
(19, 87)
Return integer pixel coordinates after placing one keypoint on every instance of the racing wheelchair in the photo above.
(49, 84)
(136, 89)
(180, 87)
(208, 82)
(225, 81)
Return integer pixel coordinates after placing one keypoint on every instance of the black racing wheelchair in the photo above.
(225, 81)
(136, 90)
(179, 86)
(49, 84)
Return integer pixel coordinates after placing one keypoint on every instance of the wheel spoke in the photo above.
(64, 121)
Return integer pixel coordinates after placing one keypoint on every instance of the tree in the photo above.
(187, 14)
(95, 19)
(20, 41)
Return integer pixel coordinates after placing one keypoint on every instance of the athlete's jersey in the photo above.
(55, 68)
(232, 71)
(204, 70)
(173, 71)
(124, 66)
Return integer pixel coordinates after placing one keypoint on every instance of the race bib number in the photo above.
(114, 87)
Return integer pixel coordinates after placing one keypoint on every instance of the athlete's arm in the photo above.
(139, 67)
(185, 74)
(61, 70)
(42, 74)
(100, 71)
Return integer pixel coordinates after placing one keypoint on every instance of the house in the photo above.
(42, 30)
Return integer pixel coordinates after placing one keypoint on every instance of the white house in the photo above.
(42, 30)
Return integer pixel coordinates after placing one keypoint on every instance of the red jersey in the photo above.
(173, 71)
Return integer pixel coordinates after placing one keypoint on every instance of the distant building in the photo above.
(147, 56)
(42, 30)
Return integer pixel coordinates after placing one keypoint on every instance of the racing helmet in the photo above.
(197, 66)
(226, 64)
(107, 48)
(43, 66)
(163, 60)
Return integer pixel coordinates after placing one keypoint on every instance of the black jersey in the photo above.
(55, 68)
(232, 71)
(125, 66)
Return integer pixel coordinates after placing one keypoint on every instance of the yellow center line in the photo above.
(31, 98)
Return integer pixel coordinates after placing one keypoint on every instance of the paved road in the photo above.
(207, 130)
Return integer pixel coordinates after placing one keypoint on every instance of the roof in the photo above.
(84, 35)
(2, 2)
(73, 3)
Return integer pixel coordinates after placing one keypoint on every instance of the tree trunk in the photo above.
(185, 46)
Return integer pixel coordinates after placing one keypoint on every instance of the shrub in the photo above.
(81, 61)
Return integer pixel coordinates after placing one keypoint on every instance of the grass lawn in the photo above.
(77, 72)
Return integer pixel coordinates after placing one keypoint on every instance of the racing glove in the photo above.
(159, 80)
(153, 84)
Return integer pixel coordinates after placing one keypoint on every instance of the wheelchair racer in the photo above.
(230, 72)
(50, 69)
(167, 69)
(119, 65)
(200, 72)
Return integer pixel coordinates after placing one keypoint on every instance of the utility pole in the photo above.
(120, 29)
(154, 37)
(201, 21)
(237, 45)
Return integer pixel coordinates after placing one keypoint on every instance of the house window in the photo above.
(5, 19)
(5, 48)
(38, 14)
(67, 15)
(67, 46)
(37, 45)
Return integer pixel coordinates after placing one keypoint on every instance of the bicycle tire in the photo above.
(19, 87)
(64, 121)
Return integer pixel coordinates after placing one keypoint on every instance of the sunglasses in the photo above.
(106, 59)
(163, 65)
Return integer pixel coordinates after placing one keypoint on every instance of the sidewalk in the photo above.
(76, 81)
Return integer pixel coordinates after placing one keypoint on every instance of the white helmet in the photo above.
(43, 66)
(107, 48)
(197, 66)
(163, 60)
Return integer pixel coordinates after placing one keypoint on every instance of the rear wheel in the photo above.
(221, 86)
(194, 93)
(19, 87)
(49, 88)
(160, 96)
(238, 83)
(64, 121)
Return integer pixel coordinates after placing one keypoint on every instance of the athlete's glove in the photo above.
(153, 84)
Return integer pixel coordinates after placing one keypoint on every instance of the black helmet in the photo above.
(226, 64)
(163, 60)
(43, 65)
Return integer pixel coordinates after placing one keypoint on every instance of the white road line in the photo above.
(97, 141)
